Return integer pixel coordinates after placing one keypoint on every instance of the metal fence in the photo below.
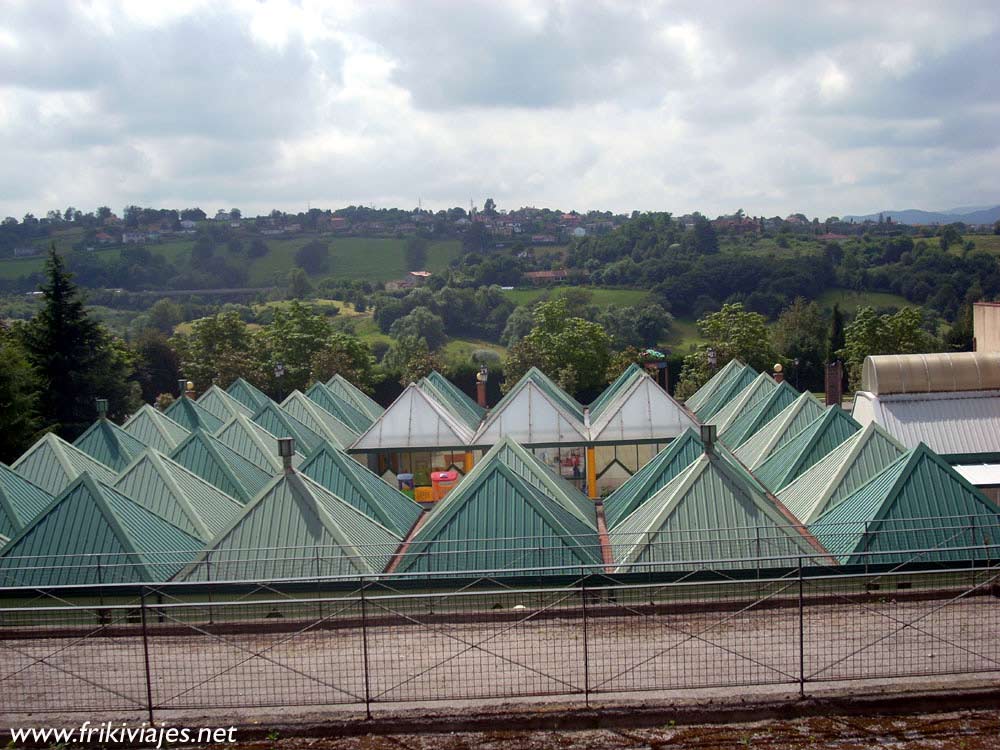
(587, 632)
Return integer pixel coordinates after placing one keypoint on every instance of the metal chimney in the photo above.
(286, 449)
(708, 437)
(102, 408)
(181, 387)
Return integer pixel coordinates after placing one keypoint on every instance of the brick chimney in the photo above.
(481, 377)
(834, 383)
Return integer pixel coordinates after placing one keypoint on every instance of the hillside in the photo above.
(914, 217)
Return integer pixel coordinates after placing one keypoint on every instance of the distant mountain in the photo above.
(969, 215)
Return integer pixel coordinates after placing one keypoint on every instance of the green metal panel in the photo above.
(455, 398)
(762, 386)
(192, 415)
(176, 494)
(366, 491)
(744, 425)
(155, 429)
(20, 502)
(341, 408)
(296, 528)
(222, 405)
(496, 521)
(721, 377)
(880, 515)
(652, 477)
(109, 444)
(221, 466)
(91, 534)
(790, 422)
(320, 421)
(838, 474)
(726, 392)
(281, 424)
(52, 463)
(609, 394)
(254, 443)
(355, 396)
(711, 511)
(817, 440)
(247, 394)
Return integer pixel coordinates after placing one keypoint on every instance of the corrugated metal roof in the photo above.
(652, 477)
(364, 403)
(222, 405)
(319, 420)
(884, 514)
(838, 474)
(495, 520)
(926, 373)
(20, 502)
(415, 420)
(531, 414)
(255, 443)
(247, 394)
(90, 534)
(640, 410)
(155, 429)
(726, 392)
(282, 424)
(453, 398)
(713, 510)
(221, 466)
(950, 423)
(341, 408)
(802, 451)
(699, 397)
(366, 491)
(192, 415)
(747, 399)
(296, 528)
(174, 493)
(789, 422)
(744, 425)
(109, 444)
(52, 463)
(610, 393)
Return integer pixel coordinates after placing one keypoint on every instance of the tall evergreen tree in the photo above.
(75, 359)
(836, 341)
(19, 422)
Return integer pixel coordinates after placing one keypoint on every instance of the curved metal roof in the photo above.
(931, 373)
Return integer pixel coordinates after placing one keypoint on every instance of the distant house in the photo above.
(26, 252)
(136, 238)
(104, 238)
(547, 277)
(579, 232)
(421, 276)
(188, 224)
(543, 239)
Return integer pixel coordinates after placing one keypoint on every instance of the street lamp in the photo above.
(796, 373)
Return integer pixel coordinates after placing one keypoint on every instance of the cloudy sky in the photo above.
(821, 107)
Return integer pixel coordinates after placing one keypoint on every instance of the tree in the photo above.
(490, 207)
(165, 314)
(518, 325)
(292, 340)
(258, 248)
(348, 356)
(705, 240)
(635, 326)
(219, 349)
(870, 334)
(960, 336)
(800, 333)
(299, 285)
(313, 257)
(19, 418)
(573, 351)
(76, 359)
(416, 253)
(835, 341)
(410, 359)
(423, 324)
(157, 366)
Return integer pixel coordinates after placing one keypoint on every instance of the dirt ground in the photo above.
(951, 731)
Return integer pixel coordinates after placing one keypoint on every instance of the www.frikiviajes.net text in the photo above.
(123, 734)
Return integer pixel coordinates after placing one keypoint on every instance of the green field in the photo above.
(849, 300)
(600, 296)
(684, 335)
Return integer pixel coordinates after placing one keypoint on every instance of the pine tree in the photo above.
(836, 341)
(19, 422)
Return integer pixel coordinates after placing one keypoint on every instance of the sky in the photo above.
(825, 108)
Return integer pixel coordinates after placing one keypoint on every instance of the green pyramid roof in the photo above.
(754, 417)
(176, 494)
(154, 429)
(355, 396)
(451, 398)
(366, 491)
(109, 444)
(535, 411)
(296, 528)
(91, 534)
(324, 396)
(609, 394)
(712, 510)
(221, 466)
(494, 521)
(646, 482)
(247, 394)
(52, 463)
(20, 502)
(761, 387)
(722, 376)
(222, 405)
(918, 502)
(726, 392)
(789, 422)
(814, 442)
(839, 473)
(319, 420)
(281, 424)
(255, 443)
(192, 415)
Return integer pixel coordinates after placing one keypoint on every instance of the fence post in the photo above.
(586, 644)
(364, 641)
(802, 641)
(145, 653)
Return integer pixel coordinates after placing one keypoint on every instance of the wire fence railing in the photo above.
(368, 641)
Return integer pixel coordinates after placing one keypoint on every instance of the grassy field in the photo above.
(849, 300)
(600, 296)
(684, 335)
